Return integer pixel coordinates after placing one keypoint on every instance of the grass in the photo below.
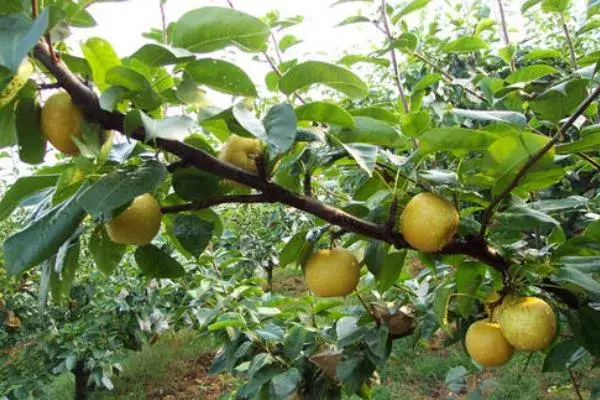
(175, 365)
(175, 368)
(415, 374)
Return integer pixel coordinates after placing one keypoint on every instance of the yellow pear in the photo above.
(528, 323)
(428, 222)
(138, 224)
(241, 152)
(61, 121)
(486, 345)
(332, 273)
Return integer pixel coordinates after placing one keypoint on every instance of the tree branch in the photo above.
(535, 158)
(590, 160)
(447, 77)
(270, 192)
(506, 38)
(390, 37)
(572, 54)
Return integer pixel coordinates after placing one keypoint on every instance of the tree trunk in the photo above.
(81, 380)
(269, 268)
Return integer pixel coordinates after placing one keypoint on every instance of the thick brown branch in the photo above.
(535, 158)
(271, 192)
(215, 201)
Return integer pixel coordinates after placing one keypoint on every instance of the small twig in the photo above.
(525, 367)
(369, 309)
(565, 29)
(505, 36)
(307, 184)
(487, 214)
(230, 3)
(575, 384)
(276, 46)
(390, 37)
(447, 77)
(48, 86)
(590, 160)
(34, 8)
(393, 217)
(201, 205)
(163, 15)
(391, 170)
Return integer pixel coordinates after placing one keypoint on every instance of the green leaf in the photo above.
(561, 100)
(427, 81)
(119, 188)
(63, 273)
(128, 78)
(156, 55)
(444, 139)
(351, 59)
(156, 263)
(504, 158)
(288, 41)
(585, 325)
(328, 113)
(484, 24)
(525, 219)
(221, 76)
(465, 44)
(22, 188)
(354, 19)
(193, 184)
(294, 342)
(587, 265)
(531, 73)
(172, 128)
(365, 155)
(413, 6)
(558, 6)
(469, 277)
(528, 4)
(8, 133)
(415, 123)
(542, 53)
(378, 113)
(213, 28)
(32, 143)
(590, 26)
(281, 126)
(563, 356)
(42, 238)
(101, 57)
(18, 36)
(390, 270)
(510, 117)
(578, 278)
(406, 41)
(106, 254)
(589, 141)
(371, 131)
(292, 250)
(193, 233)
(309, 73)
(375, 255)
